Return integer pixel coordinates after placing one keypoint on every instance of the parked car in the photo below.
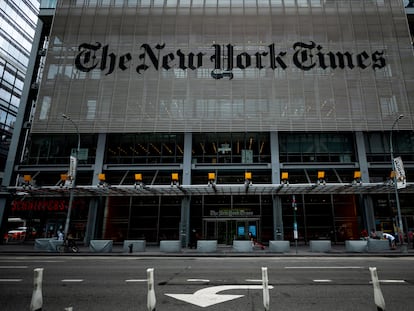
(20, 234)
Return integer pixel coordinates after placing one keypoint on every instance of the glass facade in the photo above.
(17, 28)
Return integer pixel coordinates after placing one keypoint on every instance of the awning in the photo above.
(211, 189)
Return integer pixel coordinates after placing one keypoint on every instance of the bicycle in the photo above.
(68, 246)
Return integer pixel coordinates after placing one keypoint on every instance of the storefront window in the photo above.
(330, 217)
(149, 218)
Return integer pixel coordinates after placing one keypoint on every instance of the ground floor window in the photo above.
(43, 218)
(330, 217)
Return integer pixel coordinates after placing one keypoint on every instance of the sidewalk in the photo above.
(337, 250)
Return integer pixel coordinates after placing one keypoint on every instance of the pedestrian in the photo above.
(374, 235)
(390, 238)
(60, 235)
(193, 238)
(364, 234)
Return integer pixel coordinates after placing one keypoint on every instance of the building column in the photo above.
(369, 216)
(95, 203)
(278, 232)
(186, 180)
(366, 200)
(362, 156)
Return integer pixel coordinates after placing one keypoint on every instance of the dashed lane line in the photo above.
(324, 267)
(14, 267)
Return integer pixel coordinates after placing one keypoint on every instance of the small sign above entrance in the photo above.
(232, 212)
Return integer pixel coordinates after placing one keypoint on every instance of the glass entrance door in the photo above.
(227, 230)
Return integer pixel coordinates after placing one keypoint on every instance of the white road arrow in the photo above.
(208, 296)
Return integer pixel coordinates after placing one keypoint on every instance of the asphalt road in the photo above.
(186, 283)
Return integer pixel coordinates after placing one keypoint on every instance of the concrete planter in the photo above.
(242, 246)
(378, 245)
(134, 246)
(206, 246)
(170, 246)
(356, 246)
(53, 244)
(101, 246)
(279, 246)
(47, 244)
(320, 246)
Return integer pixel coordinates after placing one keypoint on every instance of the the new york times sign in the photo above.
(306, 56)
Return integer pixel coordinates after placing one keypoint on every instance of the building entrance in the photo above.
(226, 230)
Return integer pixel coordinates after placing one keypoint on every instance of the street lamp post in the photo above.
(397, 199)
(73, 177)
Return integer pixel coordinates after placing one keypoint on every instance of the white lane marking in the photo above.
(10, 280)
(322, 281)
(327, 267)
(390, 281)
(198, 280)
(14, 267)
(254, 280)
(31, 261)
(72, 280)
(136, 280)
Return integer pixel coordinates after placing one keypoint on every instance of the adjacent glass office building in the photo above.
(219, 116)
(17, 28)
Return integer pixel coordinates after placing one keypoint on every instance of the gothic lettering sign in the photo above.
(306, 57)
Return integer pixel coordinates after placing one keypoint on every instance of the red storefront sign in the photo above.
(54, 205)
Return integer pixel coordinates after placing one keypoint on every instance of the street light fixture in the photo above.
(397, 199)
(73, 176)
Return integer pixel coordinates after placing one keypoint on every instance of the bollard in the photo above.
(130, 246)
(151, 301)
(265, 282)
(378, 297)
(37, 299)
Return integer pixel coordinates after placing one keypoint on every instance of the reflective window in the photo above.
(317, 147)
(57, 148)
(377, 146)
(144, 148)
(231, 148)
